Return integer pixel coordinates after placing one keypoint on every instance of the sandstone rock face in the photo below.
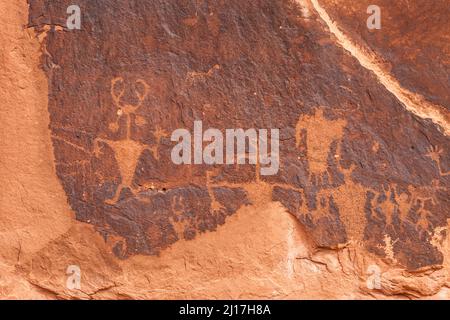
(414, 44)
(359, 207)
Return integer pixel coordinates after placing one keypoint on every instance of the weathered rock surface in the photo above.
(363, 184)
(414, 43)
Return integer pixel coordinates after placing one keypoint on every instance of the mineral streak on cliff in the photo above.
(364, 149)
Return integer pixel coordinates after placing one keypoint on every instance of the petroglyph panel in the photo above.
(356, 166)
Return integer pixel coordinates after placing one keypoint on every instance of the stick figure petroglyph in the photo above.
(434, 153)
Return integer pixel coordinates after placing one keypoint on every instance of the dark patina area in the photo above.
(355, 165)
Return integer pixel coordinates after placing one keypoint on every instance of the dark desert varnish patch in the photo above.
(413, 42)
(355, 165)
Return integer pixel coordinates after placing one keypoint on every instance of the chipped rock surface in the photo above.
(358, 209)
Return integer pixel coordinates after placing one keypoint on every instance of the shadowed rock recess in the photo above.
(355, 165)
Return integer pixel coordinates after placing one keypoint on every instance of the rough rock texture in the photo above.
(86, 123)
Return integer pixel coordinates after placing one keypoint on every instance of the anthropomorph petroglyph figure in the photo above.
(320, 134)
(127, 151)
(435, 155)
